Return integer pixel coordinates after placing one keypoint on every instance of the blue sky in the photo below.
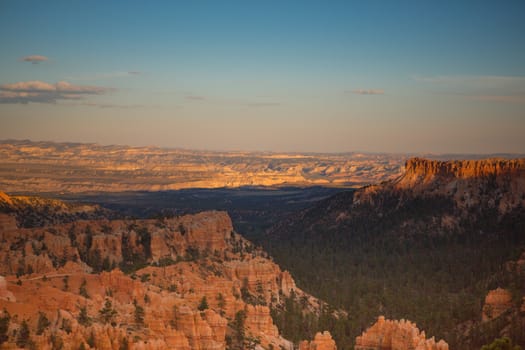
(325, 76)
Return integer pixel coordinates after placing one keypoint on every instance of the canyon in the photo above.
(78, 275)
(186, 282)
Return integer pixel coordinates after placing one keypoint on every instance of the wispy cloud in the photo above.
(34, 59)
(42, 92)
(492, 88)
(368, 91)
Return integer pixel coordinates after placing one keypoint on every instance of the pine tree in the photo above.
(83, 289)
(203, 304)
(42, 323)
(4, 326)
(23, 337)
(139, 313)
(83, 317)
(107, 313)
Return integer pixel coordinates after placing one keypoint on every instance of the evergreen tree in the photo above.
(139, 313)
(83, 289)
(91, 340)
(203, 304)
(65, 280)
(124, 345)
(23, 335)
(4, 326)
(238, 328)
(107, 313)
(42, 323)
(83, 317)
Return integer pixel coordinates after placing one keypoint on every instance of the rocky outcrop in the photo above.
(258, 320)
(497, 302)
(396, 335)
(196, 275)
(203, 331)
(5, 294)
(322, 341)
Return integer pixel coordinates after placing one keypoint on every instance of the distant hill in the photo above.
(38, 167)
(426, 246)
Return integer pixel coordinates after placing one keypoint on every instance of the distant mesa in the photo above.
(419, 169)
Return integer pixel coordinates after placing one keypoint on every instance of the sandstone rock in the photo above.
(286, 283)
(258, 320)
(497, 302)
(396, 335)
(322, 341)
(199, 226)
(109, 246)
(169, 295)
(199, 333)
(5, 294)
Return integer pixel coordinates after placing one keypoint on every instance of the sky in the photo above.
(305, 76)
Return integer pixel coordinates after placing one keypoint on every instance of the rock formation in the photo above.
(5, 294)
(396, 335)
(187, 278)
(497, 302)
(419, 169)
(322, 341)
(487, 183)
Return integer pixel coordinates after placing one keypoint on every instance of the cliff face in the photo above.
(491, 183)
(396, 335)
(188, 279)
(425, 169)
